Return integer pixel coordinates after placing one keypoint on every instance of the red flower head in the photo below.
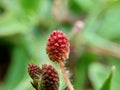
(58, 46)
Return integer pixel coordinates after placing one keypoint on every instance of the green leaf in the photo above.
(107, 83)
(30, 6)
(17, 68)
(19, 16)
(105, 21)
(81, 69)
(110, 24)
(115, 85)
(97, 74)
(86, 4)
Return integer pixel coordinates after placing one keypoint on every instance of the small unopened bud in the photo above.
(50, 78)
(46, 78)
(34, 71)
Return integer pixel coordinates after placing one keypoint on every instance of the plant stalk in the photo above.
(69, 85)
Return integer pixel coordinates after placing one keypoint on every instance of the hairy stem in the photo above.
(69, 85)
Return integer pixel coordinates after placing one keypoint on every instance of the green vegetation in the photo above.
(93, 27)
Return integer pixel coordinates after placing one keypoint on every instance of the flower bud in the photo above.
(34, 71)
(44, 79)
(50, 78)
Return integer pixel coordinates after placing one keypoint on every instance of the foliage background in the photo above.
(95, 50)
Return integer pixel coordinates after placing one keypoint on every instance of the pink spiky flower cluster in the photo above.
(58, 46)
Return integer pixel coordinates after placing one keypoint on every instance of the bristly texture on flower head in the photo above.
(50, 78)
(46, 78)
(58, 46)
(34, 71)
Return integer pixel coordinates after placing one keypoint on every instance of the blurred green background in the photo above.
(93, 27)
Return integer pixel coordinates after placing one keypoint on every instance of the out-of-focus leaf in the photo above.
(110, 25)
(11, 28)
(75, 7)
(105, 22)
(86, 4)
(19, 16)
(17, 68)
(107, 83)
(81, 69)
(116, 80)
(30, 6)
(90, 5)
(97, 74)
